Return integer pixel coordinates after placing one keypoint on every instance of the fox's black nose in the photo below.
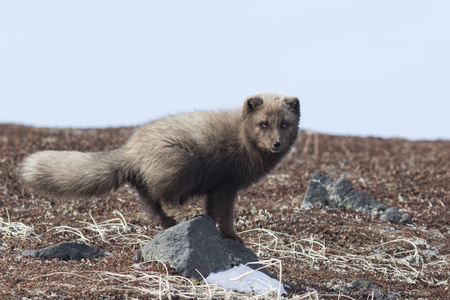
(277, 144)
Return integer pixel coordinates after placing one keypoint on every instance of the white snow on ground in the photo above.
(246, 280)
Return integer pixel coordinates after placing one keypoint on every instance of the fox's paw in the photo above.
(233, 236)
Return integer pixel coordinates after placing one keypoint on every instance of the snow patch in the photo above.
(246, 280)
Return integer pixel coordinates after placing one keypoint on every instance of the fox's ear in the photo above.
(252, 103)
(293, 103)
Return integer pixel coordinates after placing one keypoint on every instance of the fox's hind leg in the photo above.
(154, 209)
(165, 221)
(168, 180)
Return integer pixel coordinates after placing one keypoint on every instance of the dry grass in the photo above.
(112, 230)
(400, 258)
(15, 229)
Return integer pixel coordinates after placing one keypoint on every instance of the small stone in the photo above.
(368, 288)
(393, 215)
(364, 284)
(68, 251)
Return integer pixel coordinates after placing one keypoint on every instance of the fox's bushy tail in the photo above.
(71, 173)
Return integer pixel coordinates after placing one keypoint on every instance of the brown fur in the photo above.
(213, 154)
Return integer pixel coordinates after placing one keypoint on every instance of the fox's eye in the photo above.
(284, 125)
(263, 125)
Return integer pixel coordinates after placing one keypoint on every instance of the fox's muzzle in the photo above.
(276, 147)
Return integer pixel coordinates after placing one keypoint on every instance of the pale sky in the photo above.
(379, 68)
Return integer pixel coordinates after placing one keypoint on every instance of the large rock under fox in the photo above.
(195, 249)
(323, 190)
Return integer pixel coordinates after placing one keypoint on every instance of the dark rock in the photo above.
(323, 190)
(342, 187)
(364, 284)
(393, 215)
(316, 191)
(368, 289)
(353, 200)
(68, 251)
(324, 179)
(196, 247)
(359, 201)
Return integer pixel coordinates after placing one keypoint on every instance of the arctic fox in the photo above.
(169, 160)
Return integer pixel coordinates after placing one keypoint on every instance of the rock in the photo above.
(393, 215)
(68, 251)
(368, 288)
(363, 288)
(342, 187)
(359, 201)
(364, 284)
(197, 245)
(316, 192)
(323, 190)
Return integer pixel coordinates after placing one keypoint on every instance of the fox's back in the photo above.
(199, 132)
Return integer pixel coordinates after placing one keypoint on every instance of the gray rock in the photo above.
(368, 288)
(359, 201)
(393, 215)
(323, 190)
(342, 187)
(363, 288)
(323, 179)
(68, 251)
(316, 192)
(196, 246)
(364, 284)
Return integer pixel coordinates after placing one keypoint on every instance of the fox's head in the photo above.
(271, 121)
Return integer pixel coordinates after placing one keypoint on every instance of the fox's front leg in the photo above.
(220, 207)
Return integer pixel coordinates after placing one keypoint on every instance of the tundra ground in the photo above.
(317, 252)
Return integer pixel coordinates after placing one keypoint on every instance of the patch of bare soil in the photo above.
(317, 252)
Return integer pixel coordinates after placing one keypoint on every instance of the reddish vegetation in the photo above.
(412, 176)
